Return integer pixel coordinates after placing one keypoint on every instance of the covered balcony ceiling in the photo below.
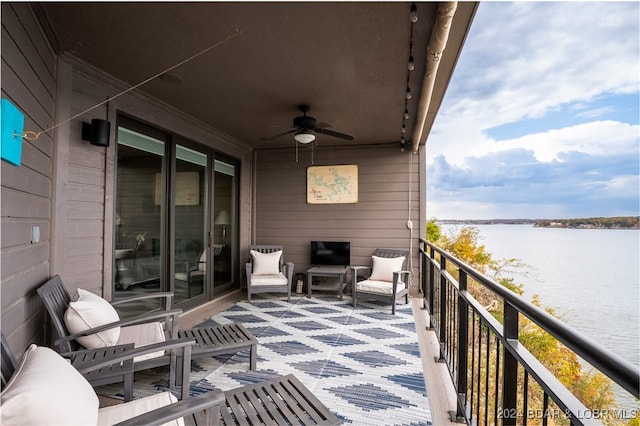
(348, 61)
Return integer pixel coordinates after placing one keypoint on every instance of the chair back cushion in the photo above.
(384, 267)
(47, 390)
(89, 311)
(266, 263)
(144, 334)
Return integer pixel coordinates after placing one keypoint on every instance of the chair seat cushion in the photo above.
(143, 335)
(121, 412)
(182, 276)
(375, 286)
(47, 390)
(89, 311)
(265, 280)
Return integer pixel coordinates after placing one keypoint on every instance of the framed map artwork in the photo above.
(332, 184)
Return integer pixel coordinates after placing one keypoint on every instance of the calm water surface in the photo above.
(590, 277)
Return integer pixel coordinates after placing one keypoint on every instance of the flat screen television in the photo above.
(331, 253)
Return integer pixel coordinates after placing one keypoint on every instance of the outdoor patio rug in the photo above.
(364, 363)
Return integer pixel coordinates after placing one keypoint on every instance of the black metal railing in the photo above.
(497, 379)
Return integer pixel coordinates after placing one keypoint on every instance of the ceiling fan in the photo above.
(305, 126)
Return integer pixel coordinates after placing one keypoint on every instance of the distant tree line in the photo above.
(625, 222)
(619, 222)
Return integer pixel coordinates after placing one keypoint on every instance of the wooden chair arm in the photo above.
(140, 319)
(396, 279)
(249, 268)
(356, 269)
(132, 353)
(209, 402)
(289, 270)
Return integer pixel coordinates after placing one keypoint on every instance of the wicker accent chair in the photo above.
(267, 272)
(387, 280)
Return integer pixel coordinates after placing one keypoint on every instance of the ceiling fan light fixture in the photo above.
(304, 136)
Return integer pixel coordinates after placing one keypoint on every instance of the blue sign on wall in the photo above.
(11, 136)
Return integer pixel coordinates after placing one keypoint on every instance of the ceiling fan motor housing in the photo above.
(304, 122)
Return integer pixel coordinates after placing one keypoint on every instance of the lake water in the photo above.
(590, 277)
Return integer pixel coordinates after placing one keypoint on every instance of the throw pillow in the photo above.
(384, 267)
(266, 263)
(47, 390)
(89, 311)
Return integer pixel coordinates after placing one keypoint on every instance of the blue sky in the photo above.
(541, 117)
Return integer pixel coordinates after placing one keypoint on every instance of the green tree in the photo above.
(464, 244)
(433, 231)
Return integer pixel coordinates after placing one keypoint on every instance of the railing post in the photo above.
(510, 365)
(432, 280)
(442, 326)
(462, 347)
(426, 267)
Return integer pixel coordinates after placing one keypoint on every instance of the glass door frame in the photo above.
(207, 197)
(167, 244)
(232, 233)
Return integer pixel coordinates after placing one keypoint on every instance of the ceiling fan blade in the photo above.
(279, 134)
(334, 133)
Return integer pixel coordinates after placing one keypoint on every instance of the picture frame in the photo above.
(336, 184)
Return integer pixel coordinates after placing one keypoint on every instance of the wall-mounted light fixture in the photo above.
(97, 133)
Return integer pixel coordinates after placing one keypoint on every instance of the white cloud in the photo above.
(598, 137)
(596, 112)
(534, 123)
(524, 59)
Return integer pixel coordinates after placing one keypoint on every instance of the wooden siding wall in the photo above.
(388, 178)
(66, 185)
(86, 212)
(28, 81)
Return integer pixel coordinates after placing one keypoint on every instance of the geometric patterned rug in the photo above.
(363, 363)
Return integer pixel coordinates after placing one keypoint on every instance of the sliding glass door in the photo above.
(139, 212)
(191, 223)
(225, 231)
(175, 217)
